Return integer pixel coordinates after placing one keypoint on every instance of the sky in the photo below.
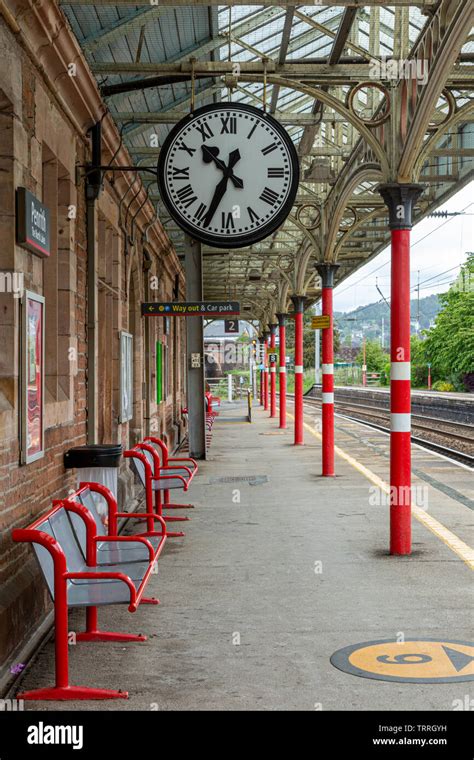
(438, 248)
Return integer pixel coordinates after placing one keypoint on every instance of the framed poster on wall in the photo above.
(32, 377)
(126, 376)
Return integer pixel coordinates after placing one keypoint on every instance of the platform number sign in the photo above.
(231, 325)
(228, 174)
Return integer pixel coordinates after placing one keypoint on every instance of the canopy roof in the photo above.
(301, 63)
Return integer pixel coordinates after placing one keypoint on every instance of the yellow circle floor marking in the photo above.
(416, 660)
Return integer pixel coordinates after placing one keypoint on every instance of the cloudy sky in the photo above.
(439, 248)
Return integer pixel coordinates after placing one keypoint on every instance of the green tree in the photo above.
(449, 345)
(419, 369)
(375, 356)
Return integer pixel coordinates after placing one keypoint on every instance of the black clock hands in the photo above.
(221, 187)
(210, 154)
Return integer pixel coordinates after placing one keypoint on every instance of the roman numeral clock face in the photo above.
(228, 174)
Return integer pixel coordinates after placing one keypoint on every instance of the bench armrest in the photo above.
(172, 477)
(135, 539)
(140, 515)
(110, 576)
(177, 467)
(185, 459)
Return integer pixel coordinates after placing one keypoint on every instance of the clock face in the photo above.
(228, 174)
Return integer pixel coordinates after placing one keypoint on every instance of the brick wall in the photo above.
(33, 125)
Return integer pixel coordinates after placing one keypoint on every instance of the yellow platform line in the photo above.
(463, 550)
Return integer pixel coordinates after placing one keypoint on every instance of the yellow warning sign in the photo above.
(321, 323)
(415, 660)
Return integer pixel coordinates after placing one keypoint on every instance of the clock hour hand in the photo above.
(209, 154)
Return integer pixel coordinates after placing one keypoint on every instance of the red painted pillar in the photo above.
(265, 372)
(298, 304)
(260, 356)
(272, 373)
(400, 200)
(282, 368)
(326, 272)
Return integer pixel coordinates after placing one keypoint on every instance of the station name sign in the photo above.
(190, 309)
(33, 225)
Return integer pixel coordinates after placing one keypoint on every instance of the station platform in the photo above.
(280, 568)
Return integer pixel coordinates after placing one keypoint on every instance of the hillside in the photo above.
(369, 320)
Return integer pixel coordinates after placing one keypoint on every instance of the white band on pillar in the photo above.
(282, 369)
(328, 369)
(400, 423)
(400, 370)
(328, 398)
(298, 369)
(272, 369)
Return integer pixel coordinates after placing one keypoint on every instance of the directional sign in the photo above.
(321, 322)
(190, 309)
(415, 660)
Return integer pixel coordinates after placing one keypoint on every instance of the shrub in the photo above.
(442, 385)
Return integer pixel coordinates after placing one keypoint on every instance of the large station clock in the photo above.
(228, 174)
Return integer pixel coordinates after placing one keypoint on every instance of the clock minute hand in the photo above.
(221, 187)
(219, 193)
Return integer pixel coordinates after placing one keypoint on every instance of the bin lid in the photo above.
(93, 455)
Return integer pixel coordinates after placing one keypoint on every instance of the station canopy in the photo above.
(322, 71)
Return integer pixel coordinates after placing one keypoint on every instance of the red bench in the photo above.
(77, 576)
(156, 479)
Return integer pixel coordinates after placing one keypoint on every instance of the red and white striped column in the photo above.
(298, 305)
(282, 368)
(400, 200)
(326, 272)
(265, 372)
(272, 328)
(260, 364)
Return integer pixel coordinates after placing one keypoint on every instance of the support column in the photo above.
(298, 304)
(260, 355)
(195, 345)
(400, 200)
(326, 272)
(265, 371)
(282, 368)
(272, 373)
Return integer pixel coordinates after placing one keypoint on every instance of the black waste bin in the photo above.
(96, 463)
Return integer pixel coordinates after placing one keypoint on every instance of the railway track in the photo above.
(452, 439)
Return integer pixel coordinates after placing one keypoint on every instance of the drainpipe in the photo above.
(93, 187)
(146, 337)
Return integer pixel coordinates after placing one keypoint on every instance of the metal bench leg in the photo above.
(93, 633)
(168, 505)
(63, 690)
